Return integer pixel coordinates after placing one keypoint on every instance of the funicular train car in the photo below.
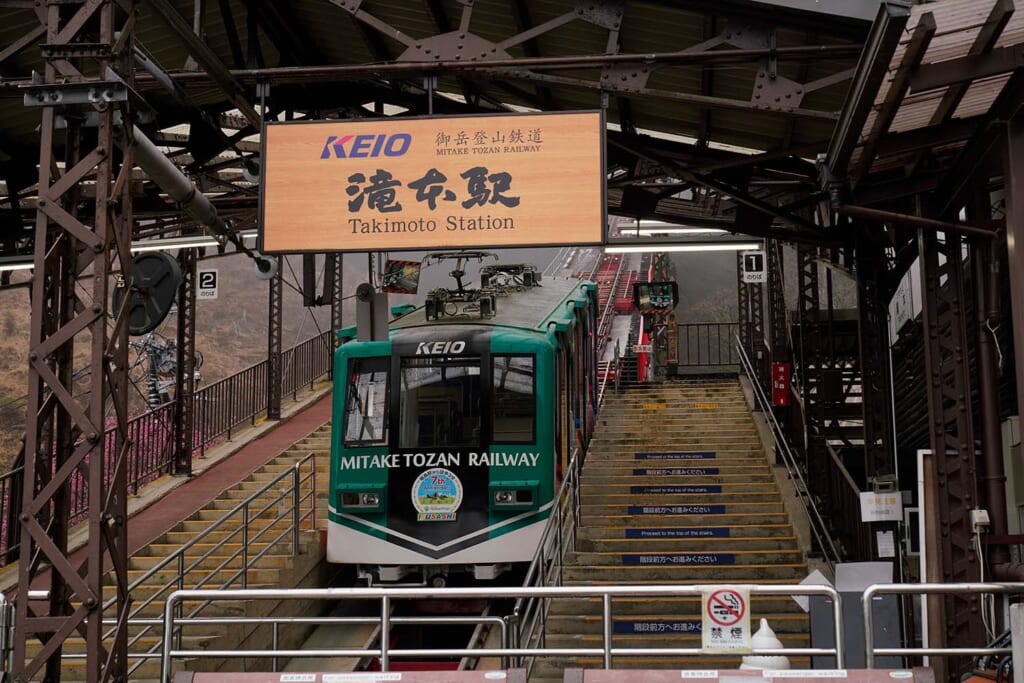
(449, 437)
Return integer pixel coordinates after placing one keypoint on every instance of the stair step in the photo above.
(688, 545)
(729, 557)
(687, 573)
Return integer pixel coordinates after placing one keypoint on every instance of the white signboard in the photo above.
(206, 284)
(881, 507)
(725, 620)
(753, 267)
(642, 348)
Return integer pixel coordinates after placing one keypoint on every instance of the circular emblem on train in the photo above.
(436, 495)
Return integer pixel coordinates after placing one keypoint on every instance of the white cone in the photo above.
(765, 639)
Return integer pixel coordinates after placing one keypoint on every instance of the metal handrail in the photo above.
(867, 602)
(613, 366)
(830, 550)
(528, 615)
(177, 560)
(607, 594)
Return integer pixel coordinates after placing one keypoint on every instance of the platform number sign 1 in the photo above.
(725, 620)
(753, 267)
(207, 284)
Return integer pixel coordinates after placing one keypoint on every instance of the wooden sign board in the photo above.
(500, 180)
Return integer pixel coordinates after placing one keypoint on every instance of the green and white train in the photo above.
(450, 437)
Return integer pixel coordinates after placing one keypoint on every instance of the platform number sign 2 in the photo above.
(753, 267)
(725, 620)
(207, 284)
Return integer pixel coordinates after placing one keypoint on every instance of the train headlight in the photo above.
(514, 495)
(504, 497)
(357, 497)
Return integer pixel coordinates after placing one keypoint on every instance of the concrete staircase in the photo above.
(216, 560)
(676, 489)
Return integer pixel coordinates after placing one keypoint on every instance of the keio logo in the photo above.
(363, 146)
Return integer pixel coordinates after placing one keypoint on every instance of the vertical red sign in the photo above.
(780, 384)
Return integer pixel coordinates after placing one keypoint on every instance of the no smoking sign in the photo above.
(725, 620)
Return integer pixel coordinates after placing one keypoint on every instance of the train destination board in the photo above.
(498, 180)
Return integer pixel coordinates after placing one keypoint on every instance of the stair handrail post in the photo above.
(245, 545)
(618, 366)
(6, 635)
(296, 502)
(385, 632)
(606, 629)
(559, 522)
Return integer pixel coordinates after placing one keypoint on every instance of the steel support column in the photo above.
(757, 344)
(873, 338)
(951, 426)
(811, 360)
(1014, 175)
(67, 443)
(184, 382)
(337, 284)
(274, 359)
(777, 322)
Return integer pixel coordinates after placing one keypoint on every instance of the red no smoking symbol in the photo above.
(726, 607)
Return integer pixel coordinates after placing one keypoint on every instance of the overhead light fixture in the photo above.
(676, 231)
(693, 246)
(184, 242)
(8, 266)
(139, 247)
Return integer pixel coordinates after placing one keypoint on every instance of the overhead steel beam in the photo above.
(962, 70)
(886, 32)
(338, 72)
(206, 58)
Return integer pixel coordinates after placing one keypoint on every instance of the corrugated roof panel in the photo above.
(980, 96)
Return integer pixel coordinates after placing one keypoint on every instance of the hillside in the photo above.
(231, 334)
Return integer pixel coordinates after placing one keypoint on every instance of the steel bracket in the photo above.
(779, 93)
(625, 76)
(604, 13)
(454, 45)
(61, 94)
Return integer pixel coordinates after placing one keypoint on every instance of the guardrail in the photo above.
(386, 597)
(867, 604)
(707, 344)
(276, 520)
(529, 614)
(220, 408)
(824, 540)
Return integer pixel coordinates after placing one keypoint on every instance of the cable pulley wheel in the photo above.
(154, 285)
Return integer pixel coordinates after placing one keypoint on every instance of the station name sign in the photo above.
(500, 180)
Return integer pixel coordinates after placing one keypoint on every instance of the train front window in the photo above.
(440, 402)
(366, 414)
(513, 399)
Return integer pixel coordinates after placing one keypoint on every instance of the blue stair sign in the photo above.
(656, 626)
(680, 532)
(675, 471)
(667, 559)
(674, 489)
(676, 510)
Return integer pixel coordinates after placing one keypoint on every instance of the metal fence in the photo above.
(708, 344)
(387, 600)
(220, 409)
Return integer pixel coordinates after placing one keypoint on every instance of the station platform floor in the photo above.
(159, 506)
